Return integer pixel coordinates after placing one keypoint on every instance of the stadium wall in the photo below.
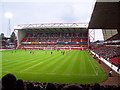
(21, 35)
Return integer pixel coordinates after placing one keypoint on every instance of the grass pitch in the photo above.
(42, 66)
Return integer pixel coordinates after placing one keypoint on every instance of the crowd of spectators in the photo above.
(111, 54)
(64, 35)
(9, 82)
(107, 52)
(52, 39)
(55, 37)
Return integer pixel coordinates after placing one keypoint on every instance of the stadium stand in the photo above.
(106, 52)
(43, 41)
(115, 60)
(113, 53)
(50, 37)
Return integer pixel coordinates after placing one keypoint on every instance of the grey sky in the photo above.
(45, 11)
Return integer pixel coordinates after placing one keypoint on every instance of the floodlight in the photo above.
(9, 15)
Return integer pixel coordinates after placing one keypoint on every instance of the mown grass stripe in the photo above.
(71, 68)
(39, 63)
(61, 66)
(25, 62)
(52, 64)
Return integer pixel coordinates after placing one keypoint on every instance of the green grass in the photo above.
(75, 67)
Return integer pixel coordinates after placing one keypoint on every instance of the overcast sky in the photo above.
(46, 11)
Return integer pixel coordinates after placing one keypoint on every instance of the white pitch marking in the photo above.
(36, 65)
(92, 65)
(53, 73)
(31, 67)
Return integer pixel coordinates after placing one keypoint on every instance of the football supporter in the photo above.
(9, 82)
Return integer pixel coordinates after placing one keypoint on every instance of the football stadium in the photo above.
(57, 52)
(61, 56)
